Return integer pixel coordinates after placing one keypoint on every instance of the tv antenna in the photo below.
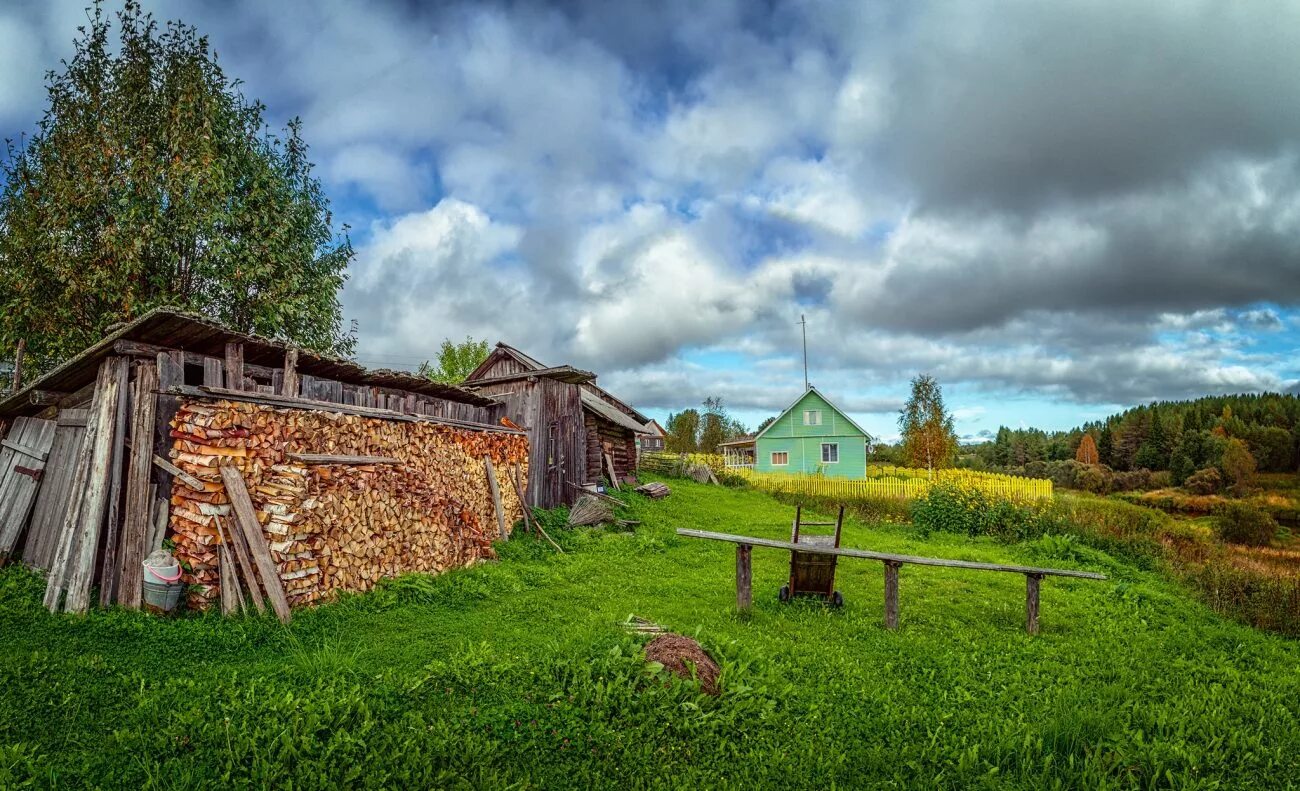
(803, 324)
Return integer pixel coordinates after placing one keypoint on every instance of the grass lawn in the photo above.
(515, 674)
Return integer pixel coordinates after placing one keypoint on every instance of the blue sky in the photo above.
(1057, 209)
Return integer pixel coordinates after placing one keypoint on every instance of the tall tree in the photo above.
(929, 439)
(1002, 447)
(683, 432)
(456, 361)
(1237, 464)
(1087, 452)
(152, 181)
(1106, 446)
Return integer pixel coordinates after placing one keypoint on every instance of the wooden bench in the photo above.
(745, 545)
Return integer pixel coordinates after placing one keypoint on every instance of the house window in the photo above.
(780, 458)
(830, 452)
(812, 417)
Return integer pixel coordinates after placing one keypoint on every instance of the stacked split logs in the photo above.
(424, 505)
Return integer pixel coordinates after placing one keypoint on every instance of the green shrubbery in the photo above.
(957, 509)
(1243, 523)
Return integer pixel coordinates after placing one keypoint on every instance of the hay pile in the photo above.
(679, 655)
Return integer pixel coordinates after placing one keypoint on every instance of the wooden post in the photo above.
(111, 565)
(18, 364)
(139, 519)
(234, 366)
(891, 594)
(496, 497)
(744, 578)
(1031, 602)
(289, 384)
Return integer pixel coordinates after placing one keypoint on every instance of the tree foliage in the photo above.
(683, 431)
(929, 439)
(1087, 452)
(456, 361)
(152, 181)
(696, 431)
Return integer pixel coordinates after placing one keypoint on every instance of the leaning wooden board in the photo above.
(56, 490)
(23, 458)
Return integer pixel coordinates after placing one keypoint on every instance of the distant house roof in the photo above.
(748, 439)
(802, 396)
(594, 403)
(173, 329)
(653, 428)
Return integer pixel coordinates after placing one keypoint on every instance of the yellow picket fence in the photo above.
(882, 482)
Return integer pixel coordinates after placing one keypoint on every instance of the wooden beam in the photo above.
(290, 383)
(496, 497)
(744, 578)
(1032, 582)
(23, 449)
(325, 458)
(185, 477)
(882, 556)
(139, 519)
(46, 397)
(891, 594)
(271, 399)
(246, 519)
(235, 366)
(110, 566)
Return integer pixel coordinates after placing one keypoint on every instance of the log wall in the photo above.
(339, 527)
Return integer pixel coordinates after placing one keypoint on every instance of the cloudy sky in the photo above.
(1058, 209)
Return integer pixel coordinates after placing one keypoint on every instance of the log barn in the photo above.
(267, 467)
(578, 432)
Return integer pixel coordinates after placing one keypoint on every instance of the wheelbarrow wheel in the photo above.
(784, 593)
(837, 599)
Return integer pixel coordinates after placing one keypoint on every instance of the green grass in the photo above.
(515, 674)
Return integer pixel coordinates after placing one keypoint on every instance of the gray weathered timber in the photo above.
(325, 458)
(235, 366)
(230, 594)
(110, 568)
(22, 474)
(246, 519)
(213, 372)
(744, 577)
(882, 556)
(891, 594)
(180, 475)
(242, 554)
(289, 382)
(53, 500)
(1032, 582)
(496, 497)
(139, 517)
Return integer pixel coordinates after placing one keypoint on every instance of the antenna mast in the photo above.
(803, 323)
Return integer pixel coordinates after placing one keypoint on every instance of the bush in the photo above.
(955, 509)
(1093, 478)
(1242, 523)
(1206, 481)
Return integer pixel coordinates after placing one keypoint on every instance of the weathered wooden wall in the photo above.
(620, 443)
(339, 526)
(551, 412)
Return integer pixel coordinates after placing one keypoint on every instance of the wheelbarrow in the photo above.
(812, 574)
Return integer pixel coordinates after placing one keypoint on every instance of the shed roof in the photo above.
(595, 404)
(560, 373)
(534, 367)
(174, 329)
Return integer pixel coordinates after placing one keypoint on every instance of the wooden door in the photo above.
(22, 464)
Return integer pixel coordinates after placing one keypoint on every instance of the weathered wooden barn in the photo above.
(577, 430)
(302, 474)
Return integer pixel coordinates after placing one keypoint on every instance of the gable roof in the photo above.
(534, 367)
(653, 428)
(802, 396)
(505, 350)
(560, 373)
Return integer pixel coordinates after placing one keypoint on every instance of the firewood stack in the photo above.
(425, 506)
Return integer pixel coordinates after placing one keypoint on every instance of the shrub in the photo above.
(956, 509)
(1093, 478)
(1206, 481)
(1242, 523)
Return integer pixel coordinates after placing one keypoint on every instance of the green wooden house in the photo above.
(812, 435)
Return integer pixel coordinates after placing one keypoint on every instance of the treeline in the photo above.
(702, 430)
(1227, 433)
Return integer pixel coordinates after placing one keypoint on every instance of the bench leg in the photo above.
(744, 578)
(891, 595)
(1031, 602)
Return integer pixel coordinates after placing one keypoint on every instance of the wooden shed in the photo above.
(577, 430)
(303, 474)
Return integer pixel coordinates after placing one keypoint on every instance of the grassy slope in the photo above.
(515, 674)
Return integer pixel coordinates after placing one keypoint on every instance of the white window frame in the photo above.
(812, 417)
(784, 453)
(834, 445)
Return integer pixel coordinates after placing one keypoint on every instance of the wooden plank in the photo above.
(271, 399)
(496, 497)
(213, 372)
(171, 371)
(245, 564)
(230, 595)
(183, 476)
(19, 488)
(139, 518)
(613, 476)
(52, 501)
(325, 458)
(161, 514)
(29, 452)
(1032, 582)
(235, 366)
(744, 578)
(246, 520)
(110, 567)
(72, 417)
(862, 553)
(891, 594)
(289, 380)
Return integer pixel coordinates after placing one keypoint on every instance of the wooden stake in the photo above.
(891, 594)
(496, 497)
(246, 518)
(1031, 602)
(744, 578)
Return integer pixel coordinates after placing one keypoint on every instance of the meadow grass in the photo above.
(516, 674)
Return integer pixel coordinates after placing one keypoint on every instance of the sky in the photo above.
(1058, 209)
